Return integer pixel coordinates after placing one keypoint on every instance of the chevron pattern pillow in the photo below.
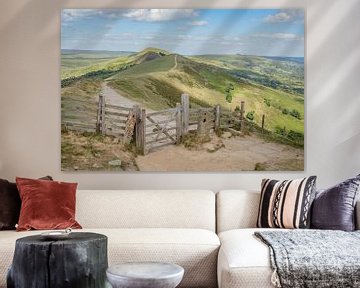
(286, 204)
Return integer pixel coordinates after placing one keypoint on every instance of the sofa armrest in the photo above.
(357, 215)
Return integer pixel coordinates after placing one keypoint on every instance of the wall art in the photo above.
(182, 90)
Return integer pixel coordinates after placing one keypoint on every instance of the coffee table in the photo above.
(145, 275)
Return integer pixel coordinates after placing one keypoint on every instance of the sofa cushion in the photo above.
(194, 249)
(286, 204)
(10, 204)
(236, 209)
(244, 261)
(146, 209)
(46, 204)
(334, 208)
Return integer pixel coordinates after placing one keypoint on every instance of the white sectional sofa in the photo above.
(146, 225)
(177, 226)
(243, 261)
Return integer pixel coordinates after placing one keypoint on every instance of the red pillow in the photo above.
(46, 204)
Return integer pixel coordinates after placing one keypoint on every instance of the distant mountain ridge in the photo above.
(282, 58)
(94, 51)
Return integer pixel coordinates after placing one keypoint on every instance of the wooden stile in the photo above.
(129, 127)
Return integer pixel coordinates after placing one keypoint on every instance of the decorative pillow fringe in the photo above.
(275, 280)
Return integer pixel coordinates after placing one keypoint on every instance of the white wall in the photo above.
(30, 94)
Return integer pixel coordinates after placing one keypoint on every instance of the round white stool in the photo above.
(145, 275)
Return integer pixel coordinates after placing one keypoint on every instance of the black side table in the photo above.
(79, 261)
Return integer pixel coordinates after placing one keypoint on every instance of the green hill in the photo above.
(280, 73)
(155, 79)
(156, 64)
(104, 63)
(157, 85)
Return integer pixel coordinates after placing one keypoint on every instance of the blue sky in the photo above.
(268, 32)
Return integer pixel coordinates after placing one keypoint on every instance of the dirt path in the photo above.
(175, 65)
(235, 154)
(114, 98)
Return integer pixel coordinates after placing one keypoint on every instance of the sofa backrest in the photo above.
(146, 209)
(239, 209)
(236, 209)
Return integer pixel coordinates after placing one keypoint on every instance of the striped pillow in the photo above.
(286, 204)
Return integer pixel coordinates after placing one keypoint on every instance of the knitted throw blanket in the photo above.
(313, 258)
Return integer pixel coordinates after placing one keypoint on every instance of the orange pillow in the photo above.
(46, 204)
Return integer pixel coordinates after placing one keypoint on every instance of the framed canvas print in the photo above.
(182, 89)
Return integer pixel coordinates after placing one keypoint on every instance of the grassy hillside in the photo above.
(286, 74)
(157, 85)
(272, 86)
(81, 63)
(78, 101)
(72, 60)
(160, 64)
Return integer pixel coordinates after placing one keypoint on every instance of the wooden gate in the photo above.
(162, 128)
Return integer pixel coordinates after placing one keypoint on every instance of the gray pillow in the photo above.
(334, 208)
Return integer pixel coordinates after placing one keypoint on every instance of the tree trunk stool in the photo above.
(145, 275)
(78, 261)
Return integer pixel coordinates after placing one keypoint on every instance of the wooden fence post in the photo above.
(100, 118)
(103, 124)
(178, 123)
(262, 124)
(242, 112)
(217, 117)
(139, 129)
(185, 113)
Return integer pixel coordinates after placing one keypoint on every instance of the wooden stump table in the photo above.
(78, 261)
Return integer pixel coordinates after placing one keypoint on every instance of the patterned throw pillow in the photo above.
(286, 204)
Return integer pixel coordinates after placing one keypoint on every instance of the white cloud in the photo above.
(73, 14)
(147, 15)
(70, 14)
(279, 17)
(198, 23)
(288, 15)
(158, 15)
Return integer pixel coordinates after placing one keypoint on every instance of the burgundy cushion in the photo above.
(46, 204)
(334, 208)
(10, 204)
